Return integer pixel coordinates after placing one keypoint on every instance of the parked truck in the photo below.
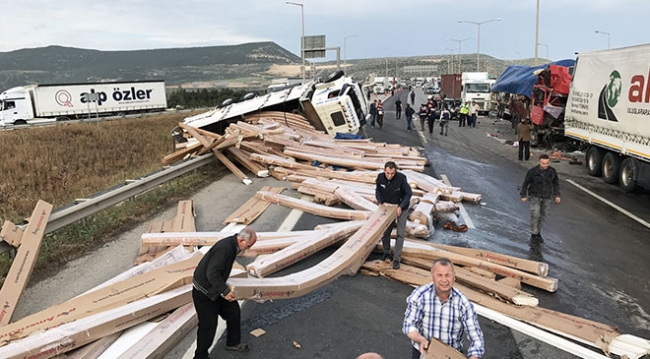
(450, 86)
(20, 105)
(607, 112)
(475, 87)
(335, 106)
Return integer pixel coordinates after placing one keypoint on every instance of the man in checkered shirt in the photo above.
(437, 310)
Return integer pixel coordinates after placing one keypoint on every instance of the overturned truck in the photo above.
(337, 105)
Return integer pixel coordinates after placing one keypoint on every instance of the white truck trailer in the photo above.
(20, 105)
(608, 113)
(475, 86)
(334, 106)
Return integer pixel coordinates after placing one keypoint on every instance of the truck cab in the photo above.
(15, 107)
(336, 105)
(475, 86)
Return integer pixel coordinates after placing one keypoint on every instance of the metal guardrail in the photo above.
(80, 209)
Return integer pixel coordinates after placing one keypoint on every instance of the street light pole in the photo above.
(478, 24)
(540, 44)
(605, 33)
(459, 50)
(345, 51)
(536, 32)
(450, 64)
(302, 40)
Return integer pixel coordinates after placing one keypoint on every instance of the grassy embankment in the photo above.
(61, 163)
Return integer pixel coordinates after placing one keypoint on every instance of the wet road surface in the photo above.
(598, 254)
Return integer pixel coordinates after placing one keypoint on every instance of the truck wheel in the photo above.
(20, 122)
(611, 167)
(63, 118)
(335, 76)
(594, 162)
(627, 177)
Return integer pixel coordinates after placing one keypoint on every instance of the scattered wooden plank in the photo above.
(312, 208)
(252, 208)
(24, 262)
(346, 260)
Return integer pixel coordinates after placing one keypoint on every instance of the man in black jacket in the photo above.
(392, 187)
(212, 297)
(540, 186)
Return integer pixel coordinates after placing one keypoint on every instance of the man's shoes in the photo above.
(386, 256)
(241, 347)
(536, 238)
(396, 264)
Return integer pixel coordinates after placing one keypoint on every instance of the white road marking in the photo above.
(616, 207)
(463, 212)
(293, 216)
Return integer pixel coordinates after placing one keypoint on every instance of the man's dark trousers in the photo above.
(208, 313)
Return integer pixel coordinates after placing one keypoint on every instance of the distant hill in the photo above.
(57, 64)
(248, 65)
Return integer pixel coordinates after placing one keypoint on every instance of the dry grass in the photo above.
(59, 164)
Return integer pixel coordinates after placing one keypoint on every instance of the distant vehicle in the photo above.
(475, 87)
(20, 105)
(332, 106)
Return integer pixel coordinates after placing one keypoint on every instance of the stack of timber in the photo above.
(286, 147)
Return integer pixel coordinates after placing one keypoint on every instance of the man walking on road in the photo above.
(473, 113)
(438, 310)
(393, 188)
(423, 115)
(445, 116)
(540, 186)
(212, 297)
(413, 98)
(408, 112)
(398, 109)
(523, 138)
(373, 113)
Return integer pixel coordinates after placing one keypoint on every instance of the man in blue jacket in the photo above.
(212, 297)
(392, 187)
(540, 187)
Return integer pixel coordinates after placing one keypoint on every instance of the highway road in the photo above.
(597, 248)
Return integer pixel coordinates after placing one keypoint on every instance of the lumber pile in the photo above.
(288, 148)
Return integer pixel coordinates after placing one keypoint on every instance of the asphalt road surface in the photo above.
(598, 254)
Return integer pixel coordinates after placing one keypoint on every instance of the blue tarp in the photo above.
(518, 79)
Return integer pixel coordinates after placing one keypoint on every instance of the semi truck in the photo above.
(608, 109)
(20, 105)
(336, 105)
(475, 87)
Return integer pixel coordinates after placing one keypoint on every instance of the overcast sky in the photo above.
(383, 28)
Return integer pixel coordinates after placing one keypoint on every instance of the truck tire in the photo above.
(63, 118)
(611, 167)
(20, 122)
(334, 76)
(594, 161)
(628, 174)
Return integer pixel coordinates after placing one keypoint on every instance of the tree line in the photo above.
(182, 98)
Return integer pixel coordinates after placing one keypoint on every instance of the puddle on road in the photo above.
(637, 315)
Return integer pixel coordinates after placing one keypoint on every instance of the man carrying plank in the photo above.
(392, 187)
(437, 310)
(212, 297)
